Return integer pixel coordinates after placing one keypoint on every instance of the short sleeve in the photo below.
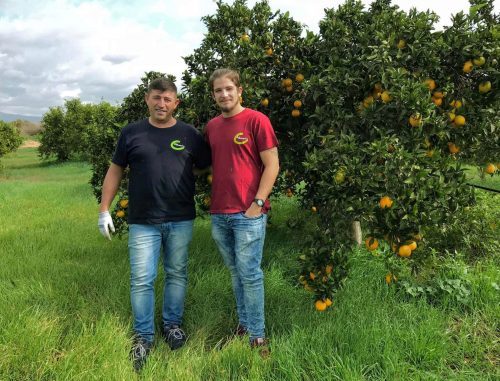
(120, 155)
(265, 137)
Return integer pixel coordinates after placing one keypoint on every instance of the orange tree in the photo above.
(10, 138)
(375, 115)
(397, 109)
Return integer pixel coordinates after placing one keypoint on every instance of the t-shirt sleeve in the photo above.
(266, 138)
(120, 155)
(203, 156)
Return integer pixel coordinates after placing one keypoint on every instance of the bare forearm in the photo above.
(110, 186)
(267, 181)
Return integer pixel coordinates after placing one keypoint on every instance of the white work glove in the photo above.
(105, 224)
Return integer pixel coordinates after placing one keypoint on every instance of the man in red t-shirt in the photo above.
(245, 165)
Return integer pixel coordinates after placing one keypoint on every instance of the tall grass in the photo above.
(65, 309)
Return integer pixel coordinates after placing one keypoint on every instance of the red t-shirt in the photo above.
(236, 165)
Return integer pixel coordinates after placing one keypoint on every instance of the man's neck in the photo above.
(235, 111)
(166, 124)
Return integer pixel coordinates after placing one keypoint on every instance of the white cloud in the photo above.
(98, 49)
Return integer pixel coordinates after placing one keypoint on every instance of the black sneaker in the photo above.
(240, 331)
(139, 352)
(262, 345)
(174, 336)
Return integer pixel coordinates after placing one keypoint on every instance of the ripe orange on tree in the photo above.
(459, 120)
(314, 209)
(385, 202)
(299, 77)
(320, 305)
(415, 120)
(401, 44)
(295, 113)
(124, 203)
(468, 66)
(371, 243)
(264, 102)
(297, 104)
(453, 148)
(431, 84)
(287, 82)
(328, 302)
(404, 251)
(490, 169)
(386, 96)
(120, 214)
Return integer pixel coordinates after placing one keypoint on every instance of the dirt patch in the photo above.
(30, 144)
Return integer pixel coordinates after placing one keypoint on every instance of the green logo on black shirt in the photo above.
(176, 145)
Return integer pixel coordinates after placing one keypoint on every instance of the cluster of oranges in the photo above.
(123, 203)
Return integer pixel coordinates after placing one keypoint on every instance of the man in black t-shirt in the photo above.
(160, 152)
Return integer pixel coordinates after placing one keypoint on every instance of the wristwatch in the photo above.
(259, 202)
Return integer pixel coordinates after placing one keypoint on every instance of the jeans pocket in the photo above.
(259, 217)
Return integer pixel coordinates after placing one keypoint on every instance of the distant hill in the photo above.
(11, 117)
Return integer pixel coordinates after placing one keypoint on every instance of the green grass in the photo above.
(65, 310)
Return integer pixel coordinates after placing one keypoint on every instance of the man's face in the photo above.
(226, 94)
(161, 105)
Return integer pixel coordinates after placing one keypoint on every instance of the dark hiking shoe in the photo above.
(174, 336)
(240, 331)
(139, 352)
(262, 345)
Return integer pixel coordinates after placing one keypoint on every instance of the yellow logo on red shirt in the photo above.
(239, 139)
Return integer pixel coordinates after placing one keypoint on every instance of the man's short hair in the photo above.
(162, 84)
(233, 75)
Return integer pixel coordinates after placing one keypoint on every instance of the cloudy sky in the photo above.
(97, 50)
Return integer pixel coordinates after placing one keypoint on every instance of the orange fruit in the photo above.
(459, 120)
(312, 275)
(287, 82)
(453, 148)
(328, 269)
(297, 104)
(429, 153)
(415, 120)
(451, 115)
(385, 202)
(490, 169)
(401, 44)
(264, 102)
(295, 113)
(386, 96)
(479, 61)
(328, 302)
(456, 104)
(468, 65)
(437, 101)
(368, 101)
(289, 89)
(438, 94)
(299, 77)
(484, 87)
(124, 203)
(314, 209)
(120, 214)
(371, 243)
(269, 51)
(404, 251)
(412, 245)
(431, 84)
(388, 278)
(209, 179)
(320, 305)
(245, 37)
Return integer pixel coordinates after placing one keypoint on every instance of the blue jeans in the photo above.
(241, 241)
(145, 243)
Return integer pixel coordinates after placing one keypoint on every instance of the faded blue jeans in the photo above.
(145, 243)
(241, 241)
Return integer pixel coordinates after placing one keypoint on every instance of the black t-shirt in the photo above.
(161, 180)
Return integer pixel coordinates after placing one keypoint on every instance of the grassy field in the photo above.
(65, 310)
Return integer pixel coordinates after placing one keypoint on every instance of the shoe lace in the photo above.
(139, 350)
(176, 333)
